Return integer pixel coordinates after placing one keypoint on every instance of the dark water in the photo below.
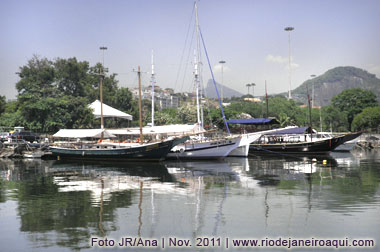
(55, 206)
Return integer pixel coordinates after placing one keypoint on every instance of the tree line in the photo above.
(54, 94)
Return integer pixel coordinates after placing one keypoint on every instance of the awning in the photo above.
(83, 133)
(108, 111)
(254, 121)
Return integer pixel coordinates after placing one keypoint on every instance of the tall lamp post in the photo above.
(102, 48)
(253, 89)
(289, 29)
(248, 86)
(222, 62)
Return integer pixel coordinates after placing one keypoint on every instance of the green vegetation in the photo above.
(55, 94)
(369, 119)
(352, 102)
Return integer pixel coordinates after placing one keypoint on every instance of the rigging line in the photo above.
(184, 47)
(213, 80)
(187, 60)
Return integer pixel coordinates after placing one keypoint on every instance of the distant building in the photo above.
(250, 99)
(163, 98)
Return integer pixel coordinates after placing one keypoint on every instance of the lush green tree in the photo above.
(166, 116)
(334, 119)
(282, 106)
(55, 94)
(251, 108)
(2, 104)
(73, 78)
(353, 101)
(369, 118)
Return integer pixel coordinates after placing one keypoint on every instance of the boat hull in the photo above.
(322, 146)
(243, 149)
(205, 150)
(154, 151)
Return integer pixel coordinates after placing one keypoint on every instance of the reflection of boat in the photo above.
(103, 180)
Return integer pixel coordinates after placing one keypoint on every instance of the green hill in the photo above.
(334, 81)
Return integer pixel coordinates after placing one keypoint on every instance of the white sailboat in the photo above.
(200, 147)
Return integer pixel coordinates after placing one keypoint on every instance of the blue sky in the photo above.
(248, 34)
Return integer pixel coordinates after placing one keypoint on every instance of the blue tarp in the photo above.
(253, 121)
(292, 131)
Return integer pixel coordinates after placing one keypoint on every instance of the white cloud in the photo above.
(281, 60)
(276, 59)
(218, 68)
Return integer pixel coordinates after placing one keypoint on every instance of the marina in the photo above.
(61, 206)
(190, 126)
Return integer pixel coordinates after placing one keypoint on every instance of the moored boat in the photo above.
(110, 151)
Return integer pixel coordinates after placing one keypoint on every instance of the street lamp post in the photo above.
(253, 89)
(103, 48)
(248, 86)
(222, 62)
(289, 29)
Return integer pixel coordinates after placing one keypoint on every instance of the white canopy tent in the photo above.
(108, 111)
(83, 133)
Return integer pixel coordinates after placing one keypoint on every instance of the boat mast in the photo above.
(266, 99)
(196, 66)
(197, 89)
(310, 123)
(140, 110)
(153, 82)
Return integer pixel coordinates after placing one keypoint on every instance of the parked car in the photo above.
(4, 136)
(26, 135)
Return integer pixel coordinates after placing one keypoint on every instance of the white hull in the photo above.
(243, 149)
(205, 149)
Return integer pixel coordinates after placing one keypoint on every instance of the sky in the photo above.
(247, 34)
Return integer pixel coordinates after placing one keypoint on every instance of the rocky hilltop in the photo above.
(224, 91)
(334, 81)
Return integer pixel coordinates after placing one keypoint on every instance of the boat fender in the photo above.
(182, 150)
(82, 153)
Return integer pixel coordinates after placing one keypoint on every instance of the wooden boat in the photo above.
(109, 151)
(318, 146)
(106, 150)
(299, 140)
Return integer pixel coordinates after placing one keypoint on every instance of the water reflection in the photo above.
(63, 204)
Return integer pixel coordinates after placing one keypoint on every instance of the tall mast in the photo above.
(266, 99)
(197, 66)
(153, 82)
(310, 122)
(140, 109)
(196, 82)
